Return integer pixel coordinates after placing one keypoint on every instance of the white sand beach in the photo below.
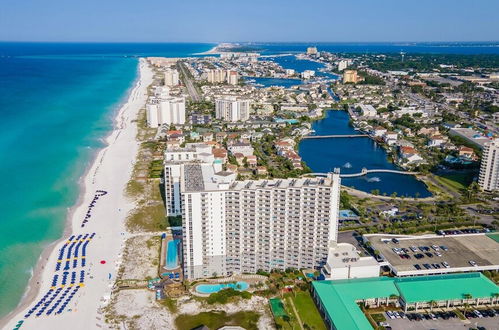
(110, 172)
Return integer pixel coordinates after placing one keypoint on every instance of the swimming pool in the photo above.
(172, 254)
(212, 288)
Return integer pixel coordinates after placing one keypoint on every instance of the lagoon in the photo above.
(351, 155)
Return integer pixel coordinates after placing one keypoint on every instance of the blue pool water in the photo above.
(212, 288)
(172, 254)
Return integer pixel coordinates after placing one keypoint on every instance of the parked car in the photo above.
(472, 263)
(477, 313)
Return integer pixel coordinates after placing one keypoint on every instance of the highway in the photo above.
(193, 92)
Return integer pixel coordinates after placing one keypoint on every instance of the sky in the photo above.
(249, 20)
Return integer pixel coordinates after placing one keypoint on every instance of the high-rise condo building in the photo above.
(350, 76)
(489, 167)
(171, 78)
(169, 110)
(231, 108)
(234, 227)
(215, 76)
(312, 51)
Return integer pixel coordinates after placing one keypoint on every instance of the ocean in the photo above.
(57, 103)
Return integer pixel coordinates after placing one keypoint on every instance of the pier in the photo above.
(335, 136)
(365, 171)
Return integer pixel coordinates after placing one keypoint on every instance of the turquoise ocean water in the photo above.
(56, 105)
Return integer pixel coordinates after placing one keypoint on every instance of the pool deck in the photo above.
(162, 261)
(250, 279)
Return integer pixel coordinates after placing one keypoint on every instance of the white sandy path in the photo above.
(110, 171)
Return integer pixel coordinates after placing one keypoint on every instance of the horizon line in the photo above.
(245, 42)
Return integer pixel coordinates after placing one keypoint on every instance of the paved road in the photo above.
(189, 84)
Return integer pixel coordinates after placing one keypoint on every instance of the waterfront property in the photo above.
(233, 227)
(338, 301)
(352, 155)
(252, 225)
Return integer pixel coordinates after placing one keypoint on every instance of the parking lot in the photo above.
(450, 323)
(437, 253)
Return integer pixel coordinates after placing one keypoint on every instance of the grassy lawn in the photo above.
(378, 318)
(215, 320)
(307, 310)
(456, 181)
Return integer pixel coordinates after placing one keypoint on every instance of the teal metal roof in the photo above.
(339, 297)
(445, 287)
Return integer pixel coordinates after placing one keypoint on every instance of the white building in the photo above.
(344, 262)
(231, 108)
(243, 148)
(232, 77)
(367, 110)
(233, 227)
(174, 159)
(169, 110)
(152, 113)
(171, 78)
(307, 74)
(342, 65)
(489, 167)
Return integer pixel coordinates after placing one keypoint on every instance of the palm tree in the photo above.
(467, 297)
(433, 303)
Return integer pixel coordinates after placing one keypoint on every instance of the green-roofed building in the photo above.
(338, 300)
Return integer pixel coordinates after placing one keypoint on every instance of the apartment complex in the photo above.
(233, 227)
(171, 78)
(215, 76)
(312, 50)
(231, 108)
(174, 160)
(351, 76)
(489, 167)
(167, 110)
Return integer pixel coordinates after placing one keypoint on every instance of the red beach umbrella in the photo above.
(103, 262)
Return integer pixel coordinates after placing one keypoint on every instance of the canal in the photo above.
(351, 155)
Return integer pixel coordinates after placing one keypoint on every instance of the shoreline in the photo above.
(85, 182)
(33, 286)
(212, 51)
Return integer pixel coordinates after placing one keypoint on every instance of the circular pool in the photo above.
(212, 288)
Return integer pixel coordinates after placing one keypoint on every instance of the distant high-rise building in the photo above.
(231, 108)
(350, 76)
(215, 76)
(232, 77)
(171, 78)
(489, 167)
(234, 227)
(152, 114)
(312, 51)
(342, 65)
(170, 110)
